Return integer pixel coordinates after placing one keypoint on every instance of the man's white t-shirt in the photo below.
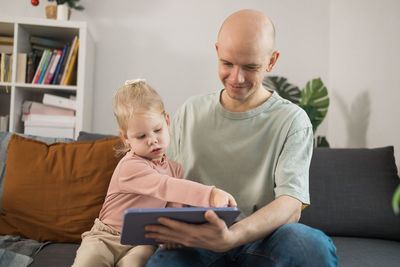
(256, 155)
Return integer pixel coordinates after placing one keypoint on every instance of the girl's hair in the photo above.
(133, 98)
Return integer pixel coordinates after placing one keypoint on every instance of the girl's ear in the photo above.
(166, 116)
(123, 135)
(124, 138)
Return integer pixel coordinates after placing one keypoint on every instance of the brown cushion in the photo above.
(54, 192)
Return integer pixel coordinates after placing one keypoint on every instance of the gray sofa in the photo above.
(351, 192)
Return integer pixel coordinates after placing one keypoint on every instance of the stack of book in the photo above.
(54, 117)
(51, 62)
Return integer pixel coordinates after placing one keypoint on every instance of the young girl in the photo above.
(144, 178)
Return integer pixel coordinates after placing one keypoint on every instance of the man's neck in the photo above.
(252, 102)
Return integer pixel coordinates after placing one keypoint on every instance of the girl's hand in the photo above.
(220, 198)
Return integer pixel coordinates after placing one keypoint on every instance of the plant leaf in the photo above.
(314, 115)
(396, 200)
(283, 88)
(314, 97)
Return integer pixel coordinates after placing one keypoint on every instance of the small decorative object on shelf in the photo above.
(51, 11)
(61, 11)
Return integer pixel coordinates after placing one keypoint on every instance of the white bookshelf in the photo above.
(22, 29)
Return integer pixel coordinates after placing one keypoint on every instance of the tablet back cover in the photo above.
(135, 220)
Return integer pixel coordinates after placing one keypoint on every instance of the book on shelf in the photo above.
(45, 66)
(5, 67)
(59, 101)
(8, 67)
(33, 107)
(60, 64)
(44, 42)
(64, 63)
(70, 76)
(68, 61)
(21, 67)
(54, 120)
(48, 67)
(40, 67)
(52, 67)
(4, 48)
(4, 123)
(30, 67)
(48, 129)
(2, 66)
(32, 64)
(6, 40)
(40, 48)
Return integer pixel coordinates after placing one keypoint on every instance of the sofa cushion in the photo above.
(351, 192)
(5, 138)
(352, 251)
(85, 136)
(54, 192)
(60, 255)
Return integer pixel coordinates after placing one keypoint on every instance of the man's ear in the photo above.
(166, 116)
(272, 60)
(216, 47)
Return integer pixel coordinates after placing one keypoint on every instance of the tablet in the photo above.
(136, 219)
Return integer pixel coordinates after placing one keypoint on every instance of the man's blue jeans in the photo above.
(292, 244)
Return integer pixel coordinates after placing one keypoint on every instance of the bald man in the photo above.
(249, 141)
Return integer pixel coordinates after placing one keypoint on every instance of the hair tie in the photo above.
(129, 82)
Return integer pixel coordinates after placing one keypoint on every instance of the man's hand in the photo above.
(220, 198)
(213, 235)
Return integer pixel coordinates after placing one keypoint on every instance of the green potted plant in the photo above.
(73, 4)
(313, 98)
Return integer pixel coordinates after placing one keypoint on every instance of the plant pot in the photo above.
(63, 12)
(51, 11)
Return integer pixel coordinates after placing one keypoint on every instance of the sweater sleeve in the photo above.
(138, 177)
(292, 170)
(179, 174)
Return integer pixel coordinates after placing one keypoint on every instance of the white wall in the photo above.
(352, 45)
(171, 44)
(364, 74)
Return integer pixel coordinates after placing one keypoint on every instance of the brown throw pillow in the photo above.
(54, 192)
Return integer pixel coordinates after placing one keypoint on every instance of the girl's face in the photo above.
(148, 135)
